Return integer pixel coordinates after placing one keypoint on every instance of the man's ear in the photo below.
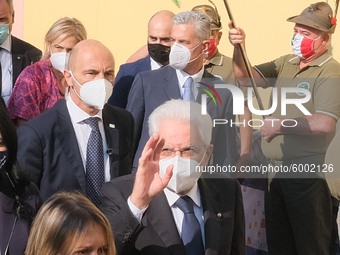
(206, 46)
(68, 78)
(325, 38)
(207, 154)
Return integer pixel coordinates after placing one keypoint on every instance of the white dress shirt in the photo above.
(183, 76)
(154, 65)
(6, 69)
(83, 132)
(172, 197)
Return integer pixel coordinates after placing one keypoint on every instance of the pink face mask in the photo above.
(212, 47)
(303, 46)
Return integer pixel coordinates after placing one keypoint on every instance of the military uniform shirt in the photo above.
(321, 78)
(221, 66)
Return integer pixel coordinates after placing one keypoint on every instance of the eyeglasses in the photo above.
(185, 152)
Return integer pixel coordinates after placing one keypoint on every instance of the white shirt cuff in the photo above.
(138, 213)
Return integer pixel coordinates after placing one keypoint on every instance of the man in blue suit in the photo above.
(57, 148)
(190, 34)
(159, 29)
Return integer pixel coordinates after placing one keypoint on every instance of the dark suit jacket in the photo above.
(17, 244)
(152, 88)
(49, 150)
(23, 54)
(158, 234)
(124, 80)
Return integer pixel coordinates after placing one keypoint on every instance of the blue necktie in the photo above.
(94, 162)
(191, 231)
(188, 93)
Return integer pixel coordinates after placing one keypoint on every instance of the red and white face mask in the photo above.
(303, 46)
(213, 47)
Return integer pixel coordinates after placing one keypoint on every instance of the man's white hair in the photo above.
(199, 19)
(184, 110)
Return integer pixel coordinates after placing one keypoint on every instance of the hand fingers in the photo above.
(158, 150)
(167, 176)
(151, 143)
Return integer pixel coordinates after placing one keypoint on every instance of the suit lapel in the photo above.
(17, 59)
(212, 213)
(206, 79)
(170, 85)
(112, 140)
(65, 133)
(162, 220)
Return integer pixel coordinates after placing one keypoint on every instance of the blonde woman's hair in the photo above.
(63, 217)
(61, 29)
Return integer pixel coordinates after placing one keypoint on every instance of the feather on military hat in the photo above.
(318, 16)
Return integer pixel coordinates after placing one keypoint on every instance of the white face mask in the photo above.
(184, 175)
(59, 60)
(94, 93)
(180, 56)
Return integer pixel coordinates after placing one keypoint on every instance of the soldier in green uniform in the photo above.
(299, 217)
(221, 66)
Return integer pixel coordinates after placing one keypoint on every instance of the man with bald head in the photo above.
(159, 30)
(81, 142)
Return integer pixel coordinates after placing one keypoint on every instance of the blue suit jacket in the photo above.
(124, 80)
(152, 88)
(48, 148)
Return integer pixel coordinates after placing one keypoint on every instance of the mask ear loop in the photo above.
(314, 43)
(205, 152)
(78, 84)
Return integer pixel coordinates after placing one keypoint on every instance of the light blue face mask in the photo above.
(4, 32)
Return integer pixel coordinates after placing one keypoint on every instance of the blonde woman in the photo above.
(69, 224)
(40, 85)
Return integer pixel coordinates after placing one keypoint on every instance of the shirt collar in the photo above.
(194, 194)
(78, 115)
(6, 45)
(317, 62)
(154, 65)
(217, 60)
(183, 76)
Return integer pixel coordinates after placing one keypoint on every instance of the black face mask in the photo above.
(159, 52)
(3, 159)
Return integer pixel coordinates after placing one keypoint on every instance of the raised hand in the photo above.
(148, 183)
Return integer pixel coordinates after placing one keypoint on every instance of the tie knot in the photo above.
(92, 122)
(188, 83)
(186, 204)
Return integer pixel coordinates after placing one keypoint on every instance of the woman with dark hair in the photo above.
(19, 198)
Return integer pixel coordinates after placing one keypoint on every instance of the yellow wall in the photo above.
(122, 25)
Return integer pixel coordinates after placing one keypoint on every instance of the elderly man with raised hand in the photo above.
(181, 79)
(80, 142)
(299, 216)
(159, 29)
(15, 54)
(166, 208)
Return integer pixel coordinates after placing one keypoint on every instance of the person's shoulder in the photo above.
(48, 118)
(221, 184)
(133, 66)
(117, 111)
(37, 69)
(21, 47)
(161, 72)
(124, 182)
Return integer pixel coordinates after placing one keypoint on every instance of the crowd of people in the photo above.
(94, 163)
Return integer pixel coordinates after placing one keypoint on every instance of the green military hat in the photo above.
(318, 16)
(212, 13)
